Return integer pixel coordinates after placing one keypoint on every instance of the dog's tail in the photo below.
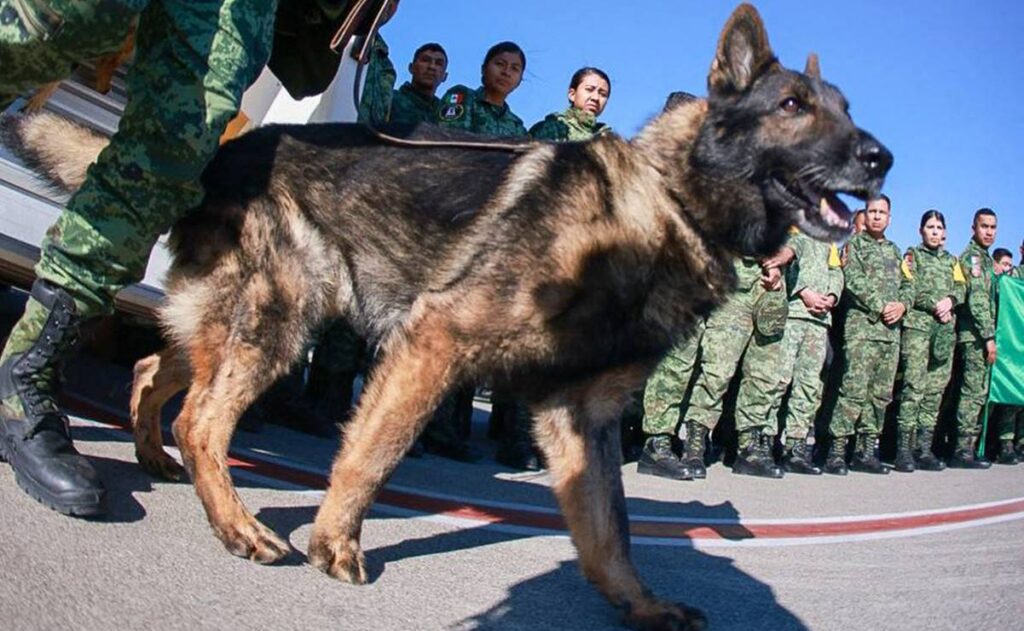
(56, 148)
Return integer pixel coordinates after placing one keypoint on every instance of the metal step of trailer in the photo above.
(28, 205)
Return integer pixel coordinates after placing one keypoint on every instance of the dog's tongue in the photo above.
(833, 211)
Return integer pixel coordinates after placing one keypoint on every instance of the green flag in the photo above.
(1007, 385)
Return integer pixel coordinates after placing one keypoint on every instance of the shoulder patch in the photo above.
(905, 268)
(958, 273)
(794, 230)
(453, 112)
(834, 259)
(975, 266)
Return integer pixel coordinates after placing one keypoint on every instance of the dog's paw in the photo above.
(340, 557)
(664, 616)
(161, 465)
(254, 541)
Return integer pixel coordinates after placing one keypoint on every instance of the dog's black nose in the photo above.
(877, 160)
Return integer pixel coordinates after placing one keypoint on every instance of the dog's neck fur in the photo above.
(682, 124)
(667, 143)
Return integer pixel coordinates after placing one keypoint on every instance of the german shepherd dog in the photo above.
(562, 272)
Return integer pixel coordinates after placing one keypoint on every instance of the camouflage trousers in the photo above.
(193, 60)
(868, 370)
(974, 391)
(667, 387)
(729, 338)
(1008, 419)
(804, 348)
(924, 381)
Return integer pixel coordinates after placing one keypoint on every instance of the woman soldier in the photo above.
(485, 110)
(926, 349)
(589, 90)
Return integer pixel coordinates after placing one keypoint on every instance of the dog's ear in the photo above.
(743, 53)
(812, 69)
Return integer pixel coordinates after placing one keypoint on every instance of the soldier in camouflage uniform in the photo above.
(975, 336)
(877, 294)
(416, 101)
(375, 100)
(665, 397)
(748, 328)
(485, 110)
(1007, 418)
(183, 90)
(589, 90)
(926, 350)
(814, 279)
(379, 83)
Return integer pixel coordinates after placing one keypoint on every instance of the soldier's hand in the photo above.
(771, 279)
(783, 257)
(816, 303)
(944, 309)
(892, 312)
(990, 351)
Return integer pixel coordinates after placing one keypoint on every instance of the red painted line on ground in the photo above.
(680, 529)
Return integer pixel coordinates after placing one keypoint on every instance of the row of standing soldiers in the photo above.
(878, 310)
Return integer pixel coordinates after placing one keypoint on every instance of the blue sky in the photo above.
(939, 82)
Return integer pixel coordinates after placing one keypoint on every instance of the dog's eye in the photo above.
(792, 105)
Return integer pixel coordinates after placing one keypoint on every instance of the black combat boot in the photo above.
(35, 436)
(963, 457)
(657, 458)
(1007, 455)
(924, 458)
(696, 444)
(799, 457)
(755, 456)
(905, 452)
(835, 462)
(515, 449)
(865, 459)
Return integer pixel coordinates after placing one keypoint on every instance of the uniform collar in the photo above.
(499, 111)
(408, 89)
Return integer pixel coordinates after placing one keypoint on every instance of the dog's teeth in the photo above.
(824, 209)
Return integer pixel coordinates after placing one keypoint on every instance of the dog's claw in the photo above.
(255, 542)
(667, 617)
(341, 558)
(162, 466)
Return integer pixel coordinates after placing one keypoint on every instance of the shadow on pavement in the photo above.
(562, 599)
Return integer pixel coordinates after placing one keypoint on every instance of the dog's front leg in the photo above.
(407, 386)
(579, 435)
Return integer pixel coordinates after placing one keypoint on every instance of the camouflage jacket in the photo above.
(976, 320)
(873, 278)
(411, 107)
(375, 102)
(816, 267)
(462, 108)
(572, 124)
(935, 274)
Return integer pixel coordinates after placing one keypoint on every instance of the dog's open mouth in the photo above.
(818, 212)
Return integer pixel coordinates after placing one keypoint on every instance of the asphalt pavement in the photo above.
(478, 546)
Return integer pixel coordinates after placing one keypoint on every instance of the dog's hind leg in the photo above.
(157, 378)
(578, 432)
(407, 385)
(228, 375)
